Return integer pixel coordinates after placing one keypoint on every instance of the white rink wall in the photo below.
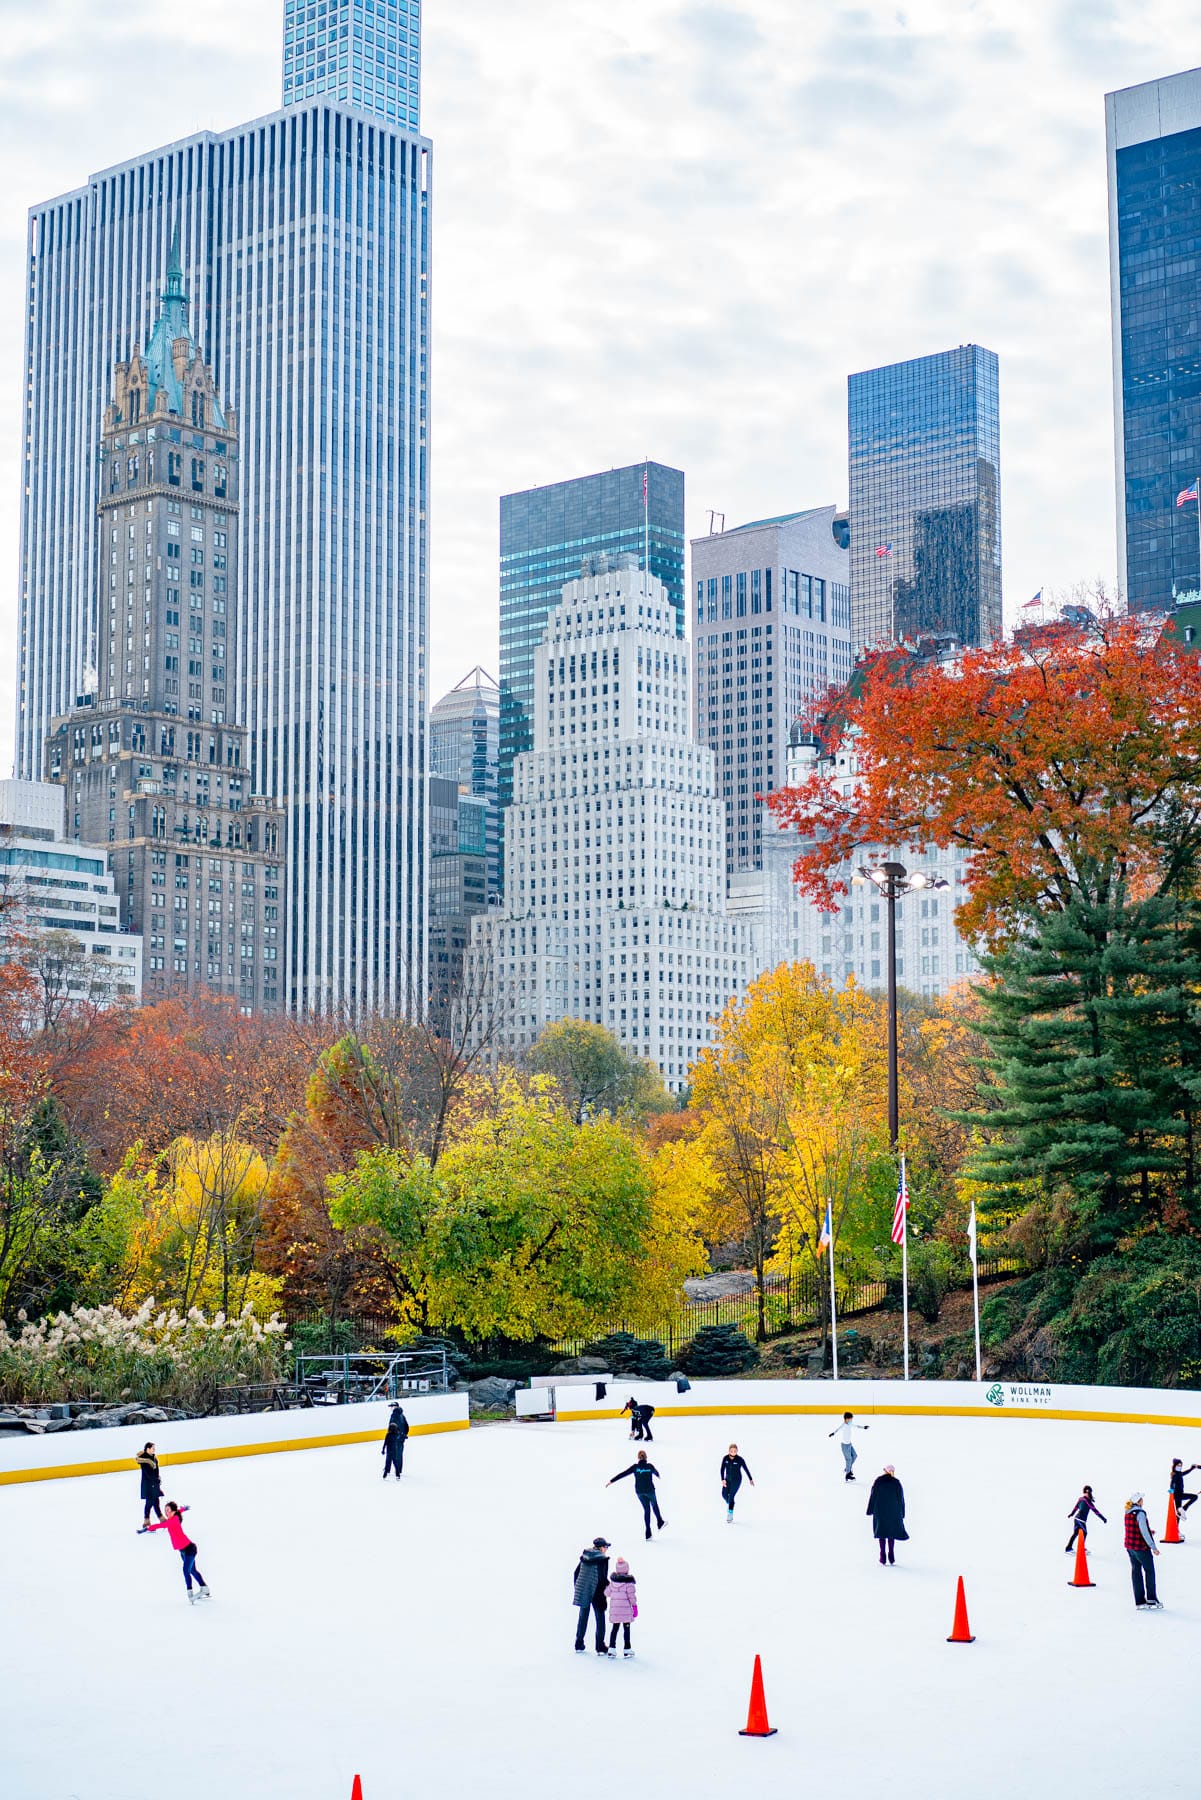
(985, 1399)
(105, 1450)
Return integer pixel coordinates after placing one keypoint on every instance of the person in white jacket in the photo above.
(849, 1452)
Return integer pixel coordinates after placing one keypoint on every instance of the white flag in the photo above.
(971, 1235)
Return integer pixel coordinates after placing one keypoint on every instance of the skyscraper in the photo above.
(771, 632)
(1153, 146)
(465, 747)
(925, 508)
(544, 533)
(153, 766)
(365, 52)
(304, 243)
(615, 904)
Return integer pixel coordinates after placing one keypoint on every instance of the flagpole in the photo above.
(976, 1288)
(833, 1301)
(905, 1271)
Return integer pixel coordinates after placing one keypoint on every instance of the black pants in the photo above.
(650, 1504)
(394, 1458)
(152, 1501)
(613, 1635)
(597, 1607)
(1142, 1576)
(730, 1493)
(1186, 1500)
(1082, 1528)
(886, 1544)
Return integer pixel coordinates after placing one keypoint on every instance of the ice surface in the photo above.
(420, 1632)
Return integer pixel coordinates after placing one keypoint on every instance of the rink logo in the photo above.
(1010, 1394)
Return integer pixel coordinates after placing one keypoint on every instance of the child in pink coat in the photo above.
(173, 1525)
(623, 1604)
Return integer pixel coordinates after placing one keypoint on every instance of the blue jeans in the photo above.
(189, 1568)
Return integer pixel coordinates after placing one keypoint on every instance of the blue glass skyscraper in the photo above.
(304, 242)
(925, 507)
(545, 533)
(1153, 142)
(365, 52)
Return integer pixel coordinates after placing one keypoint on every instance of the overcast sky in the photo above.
(671, 228)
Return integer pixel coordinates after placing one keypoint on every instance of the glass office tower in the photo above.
(545, 533)
(361, 52)
(304, 241)
(925, 506)
(1153, 143)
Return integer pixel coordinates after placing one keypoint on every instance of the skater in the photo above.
(886, 1510)
(152, 1486)
(623, 1605)
(1140, 1548)
(849, 1452)
(644, 1474)
(641, 1414)
(393, 1451)
(732, 1471)
(591, 1580)
(1176, 1485)
(173, 1525)
(1085, 1505)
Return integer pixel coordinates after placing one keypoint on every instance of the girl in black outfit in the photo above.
(1083, 1507)
(644, 1474)
(152, 1487)
(732, 1471)
(1176, 1485)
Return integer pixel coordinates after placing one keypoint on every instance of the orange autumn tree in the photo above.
(1067, 761)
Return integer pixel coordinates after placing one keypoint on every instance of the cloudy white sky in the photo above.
(671, 228)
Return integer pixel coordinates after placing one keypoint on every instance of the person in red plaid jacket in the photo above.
(1140, 1548)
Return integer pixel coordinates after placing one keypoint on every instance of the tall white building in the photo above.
(615, 840)
(304, 244)
(772, 633)
(788, 927)
(49, 885)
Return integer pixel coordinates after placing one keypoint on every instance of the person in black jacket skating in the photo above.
(393, 1449)
(1083, 1507)
(644, 1474)
(886, 1510)
(152, 1486)
(1176, 1485)
(641, 1414)
(732, 1471)
(591, 1579)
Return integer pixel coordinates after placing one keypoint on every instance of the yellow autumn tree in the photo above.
(200, 1223)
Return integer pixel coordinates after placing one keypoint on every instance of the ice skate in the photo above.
(626, 1653)
(730, 1516)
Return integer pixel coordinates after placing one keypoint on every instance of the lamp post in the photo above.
(893, 880)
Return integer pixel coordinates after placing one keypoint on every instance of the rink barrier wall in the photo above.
(111, 1450)
(915, 1399)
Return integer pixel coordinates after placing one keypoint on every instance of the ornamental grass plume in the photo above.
(99, 1353)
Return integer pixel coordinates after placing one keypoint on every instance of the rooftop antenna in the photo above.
(716, 528)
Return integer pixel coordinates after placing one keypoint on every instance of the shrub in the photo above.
(626, 1354)
(99, 1353)
(718, 1350)
(933, 1267)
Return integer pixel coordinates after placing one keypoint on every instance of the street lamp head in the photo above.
(918, 881)
(895, 870)
(859, 878)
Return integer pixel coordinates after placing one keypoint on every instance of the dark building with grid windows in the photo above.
(1153, 142)
(925, 506)
(461, 841)
(545, 534)
(155, 767)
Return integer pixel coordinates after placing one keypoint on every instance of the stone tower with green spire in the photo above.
(154, 765)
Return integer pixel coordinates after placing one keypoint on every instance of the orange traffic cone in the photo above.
(961, 1630)
(356, 1792)
(756, 1718)
(1080, 1573)
(1172, 1529)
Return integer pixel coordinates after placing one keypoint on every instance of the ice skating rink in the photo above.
(420, 1633)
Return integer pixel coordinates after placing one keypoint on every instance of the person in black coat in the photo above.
(591, 1581)
(394, 1443)
(1176, 1485)
(641, 1415)
(152, 1486)
(644, 1474)
(886, 1510)
(732, 1471)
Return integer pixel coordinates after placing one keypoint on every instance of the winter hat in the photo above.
(621, 1566)
(888, 1469)
(1135, 1500)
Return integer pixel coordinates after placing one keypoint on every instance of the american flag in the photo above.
(883, 549)
(644, 487)
(902, 1207)
(1186, 494)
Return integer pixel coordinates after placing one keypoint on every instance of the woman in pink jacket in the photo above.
(173, 1525)
(622, 1596)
